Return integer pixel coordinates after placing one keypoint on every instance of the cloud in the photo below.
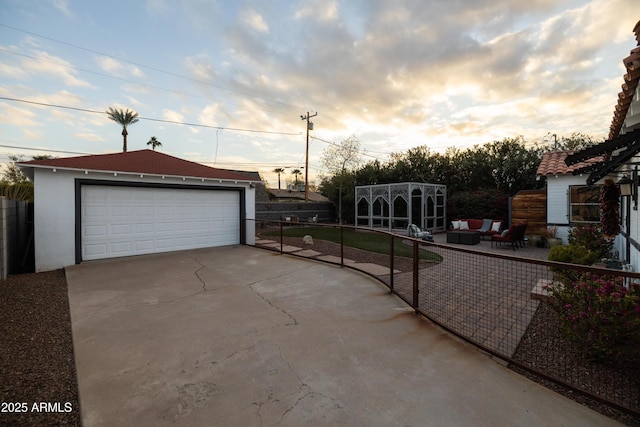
(172, 116)
(319, 9)
(17, 116)
(63, 6)
(211, 115)
(41, 63)
(118, 68)
(254, 20)
(88, 135)
(201, 67)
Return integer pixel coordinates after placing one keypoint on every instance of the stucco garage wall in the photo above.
(55, 204)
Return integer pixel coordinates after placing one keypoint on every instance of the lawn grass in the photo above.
(368, 241)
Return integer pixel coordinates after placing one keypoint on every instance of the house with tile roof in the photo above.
(570, 201)
(133, 203)
(618, 157)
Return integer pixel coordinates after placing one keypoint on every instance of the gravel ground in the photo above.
(36, 355)
(544, 348)
(37, 365)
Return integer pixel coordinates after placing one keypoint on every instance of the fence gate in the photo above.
(16, 237)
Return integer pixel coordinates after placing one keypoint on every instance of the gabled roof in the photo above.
(553, 163)
(140, 162)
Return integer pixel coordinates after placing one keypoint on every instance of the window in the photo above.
(584, 204)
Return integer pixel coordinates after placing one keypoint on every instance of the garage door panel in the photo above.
(120, 229)
(95, 230)
(120, 210)
(95, 251)
(120, 221)
(121, 248)
(95, 211)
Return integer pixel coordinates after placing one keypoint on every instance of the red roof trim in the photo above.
(140, 162)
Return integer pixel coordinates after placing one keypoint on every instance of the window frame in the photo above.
(572, 204)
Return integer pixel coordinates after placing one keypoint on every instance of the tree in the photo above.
(153, 142)
(341, 160)
(295, 173)
(577, 141)
(12, 173)
(278, 171)
(124, 119)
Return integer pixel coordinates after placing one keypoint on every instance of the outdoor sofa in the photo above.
(486, 227)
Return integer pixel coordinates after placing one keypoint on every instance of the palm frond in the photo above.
(122, 117)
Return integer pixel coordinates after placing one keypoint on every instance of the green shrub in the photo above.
(591, 237)
(21, 191)
(573, 254)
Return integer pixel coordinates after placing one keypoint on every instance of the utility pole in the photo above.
(306, 164)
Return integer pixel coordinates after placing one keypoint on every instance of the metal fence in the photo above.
(495, 301)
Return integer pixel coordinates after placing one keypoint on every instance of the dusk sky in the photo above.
(396, 74)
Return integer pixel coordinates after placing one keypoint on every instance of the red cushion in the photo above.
(474, 224)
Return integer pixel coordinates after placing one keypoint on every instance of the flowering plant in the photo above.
(600, 315)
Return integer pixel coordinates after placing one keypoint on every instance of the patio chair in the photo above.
(414, 231)
(511, 235)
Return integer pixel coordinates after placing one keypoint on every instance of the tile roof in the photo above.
(631, 79)
(139, 162)
(553, 163)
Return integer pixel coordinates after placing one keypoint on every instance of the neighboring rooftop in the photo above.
(141, 161)
(296, 195)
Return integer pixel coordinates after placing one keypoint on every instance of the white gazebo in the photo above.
(395, 206)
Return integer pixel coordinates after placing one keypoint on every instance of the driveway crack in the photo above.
(251, 286)
(196, 273)
(293, 319)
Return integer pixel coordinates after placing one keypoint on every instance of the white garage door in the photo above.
(122, 221)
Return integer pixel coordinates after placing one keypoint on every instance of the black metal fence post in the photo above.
(416, 264)
(391, 242)
(341, 246)
(281, 238)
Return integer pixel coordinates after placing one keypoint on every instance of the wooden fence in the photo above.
(530, 206)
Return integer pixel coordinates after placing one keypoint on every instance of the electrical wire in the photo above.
(137, 64)
(86, 110)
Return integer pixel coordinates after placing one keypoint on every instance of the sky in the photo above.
(225, 83)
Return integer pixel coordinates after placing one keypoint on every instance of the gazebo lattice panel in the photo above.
(395, 206)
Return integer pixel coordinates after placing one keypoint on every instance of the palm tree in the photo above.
(278, 171)
(123, 118)
(153, 142)
(295, 173)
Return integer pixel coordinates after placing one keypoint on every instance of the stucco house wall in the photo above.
(558, 202)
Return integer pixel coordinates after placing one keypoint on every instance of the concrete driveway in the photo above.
(238, 336)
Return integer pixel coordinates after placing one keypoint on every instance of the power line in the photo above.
(145, 66)
(86, 110)
(177, 92)
(42, 149)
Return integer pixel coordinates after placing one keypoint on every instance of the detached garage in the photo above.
(134, 203)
